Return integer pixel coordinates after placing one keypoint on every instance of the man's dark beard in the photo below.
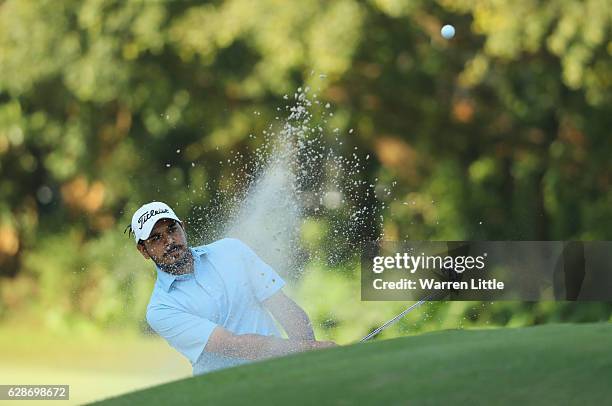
(180, 267)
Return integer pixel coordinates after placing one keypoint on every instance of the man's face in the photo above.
(166, 245)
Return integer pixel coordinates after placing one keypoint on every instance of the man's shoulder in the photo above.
(156, 298)
(159, 299)
(152, 309)
(160, 305)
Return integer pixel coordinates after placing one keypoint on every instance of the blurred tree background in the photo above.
(502, 133)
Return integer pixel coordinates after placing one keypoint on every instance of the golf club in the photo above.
(399, 316)
(451, 275)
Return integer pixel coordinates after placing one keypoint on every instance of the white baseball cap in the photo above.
(146, 216)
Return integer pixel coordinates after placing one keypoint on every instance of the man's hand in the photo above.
(255, 346)
(322, 344)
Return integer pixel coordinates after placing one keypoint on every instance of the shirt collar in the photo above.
(166, 279)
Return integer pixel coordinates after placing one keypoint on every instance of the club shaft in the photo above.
(396, 318)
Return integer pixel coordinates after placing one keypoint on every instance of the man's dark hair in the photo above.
(128, 230)
(130, 233)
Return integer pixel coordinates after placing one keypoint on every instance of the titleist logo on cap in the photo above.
(146, 216)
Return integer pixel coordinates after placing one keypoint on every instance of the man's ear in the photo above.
(143, 251)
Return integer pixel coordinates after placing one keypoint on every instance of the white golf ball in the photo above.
(448, 31)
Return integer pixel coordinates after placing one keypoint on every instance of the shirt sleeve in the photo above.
(264, 280)
(186, 332)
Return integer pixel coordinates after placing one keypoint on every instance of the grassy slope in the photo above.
(553, 364)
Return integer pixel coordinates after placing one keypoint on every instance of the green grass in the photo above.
(95, 365)
(552, 364)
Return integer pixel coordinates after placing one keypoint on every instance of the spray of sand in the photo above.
(270, 217)
(299, 174)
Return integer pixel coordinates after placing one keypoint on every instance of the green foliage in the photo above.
(332, 299)
(100, 283)
(500, 133)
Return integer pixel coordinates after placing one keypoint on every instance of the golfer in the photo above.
(214, 303)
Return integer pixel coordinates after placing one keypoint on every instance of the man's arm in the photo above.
(254, 346)
(190, 334)
(290, 316)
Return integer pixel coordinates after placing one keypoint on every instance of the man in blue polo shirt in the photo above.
(214, 303)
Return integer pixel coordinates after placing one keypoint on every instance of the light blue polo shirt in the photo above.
(227, 288)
